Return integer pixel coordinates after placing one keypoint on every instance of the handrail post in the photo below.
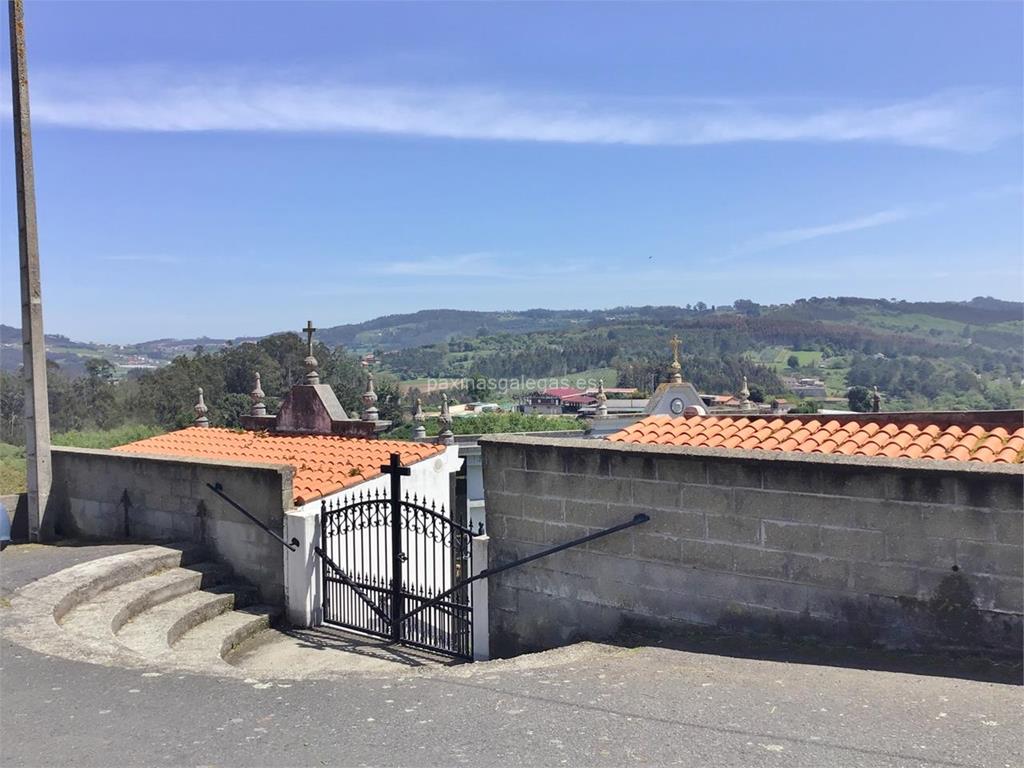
(397, 471)
(480, 601)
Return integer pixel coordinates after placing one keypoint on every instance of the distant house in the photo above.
(573, 403)
(807, 387)
(550, 401)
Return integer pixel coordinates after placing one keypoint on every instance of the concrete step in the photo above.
(73, 586)
(100, 619)
(152, 633)
(210, 643)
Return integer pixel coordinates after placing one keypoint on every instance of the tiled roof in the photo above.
(323, 463)
(834, 436)
(564, 391)
(582, 399)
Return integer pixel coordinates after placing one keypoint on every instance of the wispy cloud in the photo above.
(461, 265)
(144, 258)
(783, 237)
(478, 264)
(966, 120)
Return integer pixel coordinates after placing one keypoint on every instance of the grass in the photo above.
(107, 438)
(13, 477)
(777, 358)
(806, 357)
(13, 472)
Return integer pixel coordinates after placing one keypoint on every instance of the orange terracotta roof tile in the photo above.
(323, 464)
(910, 441)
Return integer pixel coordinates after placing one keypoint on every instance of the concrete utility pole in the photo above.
(37, 410)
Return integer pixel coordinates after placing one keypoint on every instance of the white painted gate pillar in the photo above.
(481, 624)
(303, 580)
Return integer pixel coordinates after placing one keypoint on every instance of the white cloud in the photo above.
(144, 258)
(785, 237)
(462, 265)
(479, 264)
(968, 119)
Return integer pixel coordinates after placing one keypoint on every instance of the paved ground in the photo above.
(585, 705)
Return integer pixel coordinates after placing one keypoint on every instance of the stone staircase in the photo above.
(166, 605)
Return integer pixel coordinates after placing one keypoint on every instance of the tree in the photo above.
(289, 352)
(793, 361)
(389, 398)
(96, 394)
(756, 395)
(859, 399)
(747, 307)
(12, 408)
(242, 362)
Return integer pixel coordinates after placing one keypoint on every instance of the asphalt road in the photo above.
(587, 705)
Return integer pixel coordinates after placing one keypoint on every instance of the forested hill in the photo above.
(429, 326)
(940, 355)
(930, 319)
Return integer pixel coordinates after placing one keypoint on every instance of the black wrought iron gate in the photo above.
(386, 556)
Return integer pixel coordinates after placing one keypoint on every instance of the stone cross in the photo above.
(674, 342)
(309, 330)
(675, 370)
(312, 377)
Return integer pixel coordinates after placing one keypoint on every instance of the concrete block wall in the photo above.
(910, 554)
(168, 500)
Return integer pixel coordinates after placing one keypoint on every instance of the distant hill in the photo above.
(430, 326)
(983, 321)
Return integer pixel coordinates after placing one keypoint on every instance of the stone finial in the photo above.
(312, 377)
(602, 400)
(201, 411)
(445, 436)
(370, 412)
(675, 370)
(745, 402)
(258, 408)
(420, 430)
(876, 400)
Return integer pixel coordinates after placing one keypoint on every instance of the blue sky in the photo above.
(233, 169)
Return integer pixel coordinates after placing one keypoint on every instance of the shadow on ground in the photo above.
(330, 639)
(710, 641)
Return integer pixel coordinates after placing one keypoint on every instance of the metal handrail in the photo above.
(219, 490)
(637, 520)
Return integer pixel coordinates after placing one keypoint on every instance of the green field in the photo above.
(777, 358)
(12, 457)
(912, 322)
